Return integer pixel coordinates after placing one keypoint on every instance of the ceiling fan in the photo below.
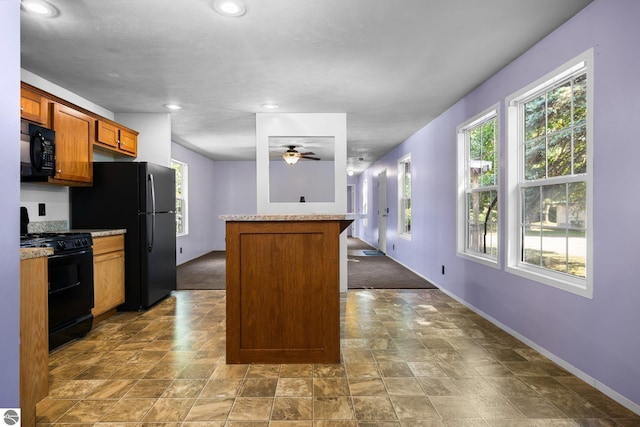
(291, 156)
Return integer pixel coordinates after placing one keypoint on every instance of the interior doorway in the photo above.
(351, 207)
(383, 211)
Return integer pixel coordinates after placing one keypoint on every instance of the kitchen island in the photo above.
(283, 287)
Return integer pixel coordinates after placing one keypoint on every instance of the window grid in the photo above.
(481, 190)
(552, 228)
(404, 191)
(181, 170)
(550, 194)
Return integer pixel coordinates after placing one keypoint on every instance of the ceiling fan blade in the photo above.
(309, 157)
(308, 153)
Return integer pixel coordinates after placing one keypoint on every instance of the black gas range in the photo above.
(60, 242)
(70, 271)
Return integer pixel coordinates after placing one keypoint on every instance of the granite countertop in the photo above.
(292, 217)
(28, 253)
(99, 232)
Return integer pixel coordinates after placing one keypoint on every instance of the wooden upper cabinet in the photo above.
(116, 138)
(33, 107)
(106, 134)
(129, 142)
(74, 144)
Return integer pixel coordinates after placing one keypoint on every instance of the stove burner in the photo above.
(60, 242)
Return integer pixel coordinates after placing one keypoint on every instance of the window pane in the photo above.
(559, 154)
(580, 150)
(577, 224)
(407, 179)
(406, 209)
(580, 99)
(531, 225)
(488, 154)
(559, 108)
(534, 159)
(554, 231)
(534, 118)
(482, 222)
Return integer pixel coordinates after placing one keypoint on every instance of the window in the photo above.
(404, 197)
(365, 208)
(182, 174)
(478, 188)
(550, 178)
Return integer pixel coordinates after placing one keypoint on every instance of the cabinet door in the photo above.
(74, 144)
(34, 336)
(33, 107)
(128, 142)
(108, 281)
(107, 134)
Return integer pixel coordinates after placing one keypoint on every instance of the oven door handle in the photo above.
(71, 253)
(63, 289)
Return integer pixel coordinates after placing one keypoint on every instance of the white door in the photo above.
(383, 211)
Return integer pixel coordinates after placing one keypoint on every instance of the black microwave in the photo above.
(37, 152)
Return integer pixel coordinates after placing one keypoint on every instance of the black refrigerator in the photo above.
(140, 197)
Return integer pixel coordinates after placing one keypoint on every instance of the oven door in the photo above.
(70, 287)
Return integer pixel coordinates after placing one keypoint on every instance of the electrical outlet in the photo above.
(443, 269)
(181, 250)
(42, 211)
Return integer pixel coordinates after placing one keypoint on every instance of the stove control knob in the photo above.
(77, 243)
(85, 241)
(62, 244)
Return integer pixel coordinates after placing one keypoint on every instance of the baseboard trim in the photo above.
(624, 401)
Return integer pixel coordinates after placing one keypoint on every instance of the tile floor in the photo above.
(410, 358)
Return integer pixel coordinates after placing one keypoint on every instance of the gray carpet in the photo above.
(364, 271)
(205, 272)
(378, 271)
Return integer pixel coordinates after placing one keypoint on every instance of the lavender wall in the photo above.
(595, 338)
(202, 203)
(234, 193)
(9, 218)
(313, 180)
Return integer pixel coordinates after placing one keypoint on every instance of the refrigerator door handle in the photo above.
(153, 193)
(153, 213)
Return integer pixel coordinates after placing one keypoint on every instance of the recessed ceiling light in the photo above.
(232, 8)
(172, 106)
(350, 172)
(40, 8)
(270, 106)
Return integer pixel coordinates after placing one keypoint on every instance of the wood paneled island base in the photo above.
(283, 289)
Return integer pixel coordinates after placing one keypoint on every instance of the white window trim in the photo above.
(461, 214)
(185, 198)
(576, 285)
(404, 159)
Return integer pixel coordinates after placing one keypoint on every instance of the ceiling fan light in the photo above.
(290, 157)
(40, 8)
(232, 8)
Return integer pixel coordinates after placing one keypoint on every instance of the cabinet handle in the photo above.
(59, 171)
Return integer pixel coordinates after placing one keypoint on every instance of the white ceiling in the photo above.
(391, 65)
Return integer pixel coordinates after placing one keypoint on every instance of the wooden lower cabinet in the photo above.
(283, 291)
(34, 336)
(108, 275)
